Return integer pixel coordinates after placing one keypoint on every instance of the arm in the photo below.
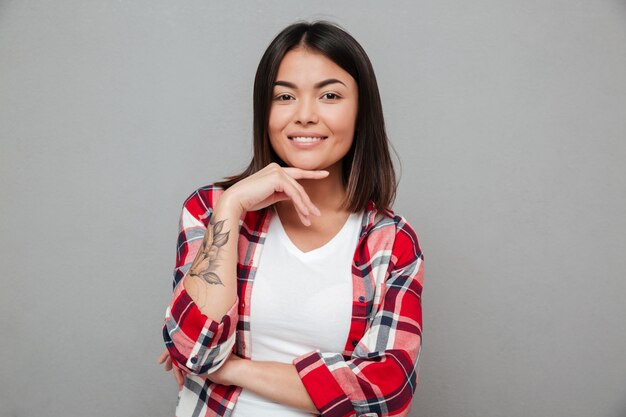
(381, 375)
(200, 322)
(276, 381)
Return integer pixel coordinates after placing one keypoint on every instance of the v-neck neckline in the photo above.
(319, 251)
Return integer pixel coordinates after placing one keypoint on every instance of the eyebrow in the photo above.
(320, 84)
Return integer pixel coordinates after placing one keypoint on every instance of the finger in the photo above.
(164, 355)
(298, 201)
(306, 200)
(168, 364)
(279, 196)
(180, 380)
(285, 185)
(297, 173)
(304, 219)
(306, 173)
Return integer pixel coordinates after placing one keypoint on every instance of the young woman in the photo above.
(297, 290)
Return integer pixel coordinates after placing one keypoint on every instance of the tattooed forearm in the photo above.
(206, 262)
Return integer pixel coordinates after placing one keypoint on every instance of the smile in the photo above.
(306, 139)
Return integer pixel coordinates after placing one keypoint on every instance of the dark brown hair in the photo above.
(367, 169)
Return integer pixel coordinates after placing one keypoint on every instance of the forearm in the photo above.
(275, 381)
(211, 281)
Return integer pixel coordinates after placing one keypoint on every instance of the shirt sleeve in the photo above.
(197, 344)
(380, 377)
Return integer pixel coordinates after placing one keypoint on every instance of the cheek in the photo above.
(271, 121)
(278, 119)
(276, 125)
(343, 121)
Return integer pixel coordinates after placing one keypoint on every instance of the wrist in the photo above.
(227, 205)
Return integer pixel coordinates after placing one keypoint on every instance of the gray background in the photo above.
(510, 119)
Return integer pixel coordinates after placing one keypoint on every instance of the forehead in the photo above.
(306, 66)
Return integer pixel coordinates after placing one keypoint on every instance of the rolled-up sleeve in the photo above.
(380, 377)
(197, 343)
(194, 340)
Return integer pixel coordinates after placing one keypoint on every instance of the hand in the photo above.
(178, 374)
(272, 184)
(229, 371)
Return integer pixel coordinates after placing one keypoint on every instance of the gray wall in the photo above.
(510, 121)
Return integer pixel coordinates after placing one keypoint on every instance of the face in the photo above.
(313, 111)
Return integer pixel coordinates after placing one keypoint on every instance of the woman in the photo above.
(333, 326)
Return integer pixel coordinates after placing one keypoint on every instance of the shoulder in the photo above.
(405, 246)
(200, 202)
(406, 260)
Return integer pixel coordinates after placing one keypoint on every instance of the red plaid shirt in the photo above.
(375, 375)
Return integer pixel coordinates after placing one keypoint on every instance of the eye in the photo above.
(331, 96)
(283, 97)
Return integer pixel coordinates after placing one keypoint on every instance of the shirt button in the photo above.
(357, 263)
(361, 298)
(243, 305)
(194, 359)
(355, 342)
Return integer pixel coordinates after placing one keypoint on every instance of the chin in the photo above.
(308, 165)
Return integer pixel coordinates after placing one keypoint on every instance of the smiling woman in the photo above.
(334, 324)
(314, 109)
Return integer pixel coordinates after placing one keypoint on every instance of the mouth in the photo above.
(306, 139)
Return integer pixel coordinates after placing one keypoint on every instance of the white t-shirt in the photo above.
(282, 326)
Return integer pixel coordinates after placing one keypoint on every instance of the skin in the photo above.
(298, 105)
(311, 185)
(330, 110)
(204, 265)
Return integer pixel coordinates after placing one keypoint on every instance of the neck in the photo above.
(327, 194)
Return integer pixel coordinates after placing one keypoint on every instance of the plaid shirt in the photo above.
(375, 375)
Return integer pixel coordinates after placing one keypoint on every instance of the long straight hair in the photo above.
(367, 169)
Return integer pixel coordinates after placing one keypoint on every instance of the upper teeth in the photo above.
(305, 139)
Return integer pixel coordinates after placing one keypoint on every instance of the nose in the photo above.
(306, 111)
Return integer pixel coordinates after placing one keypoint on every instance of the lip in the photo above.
(306, 145)
(306, 135)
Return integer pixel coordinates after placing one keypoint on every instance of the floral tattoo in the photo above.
(206, 262)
